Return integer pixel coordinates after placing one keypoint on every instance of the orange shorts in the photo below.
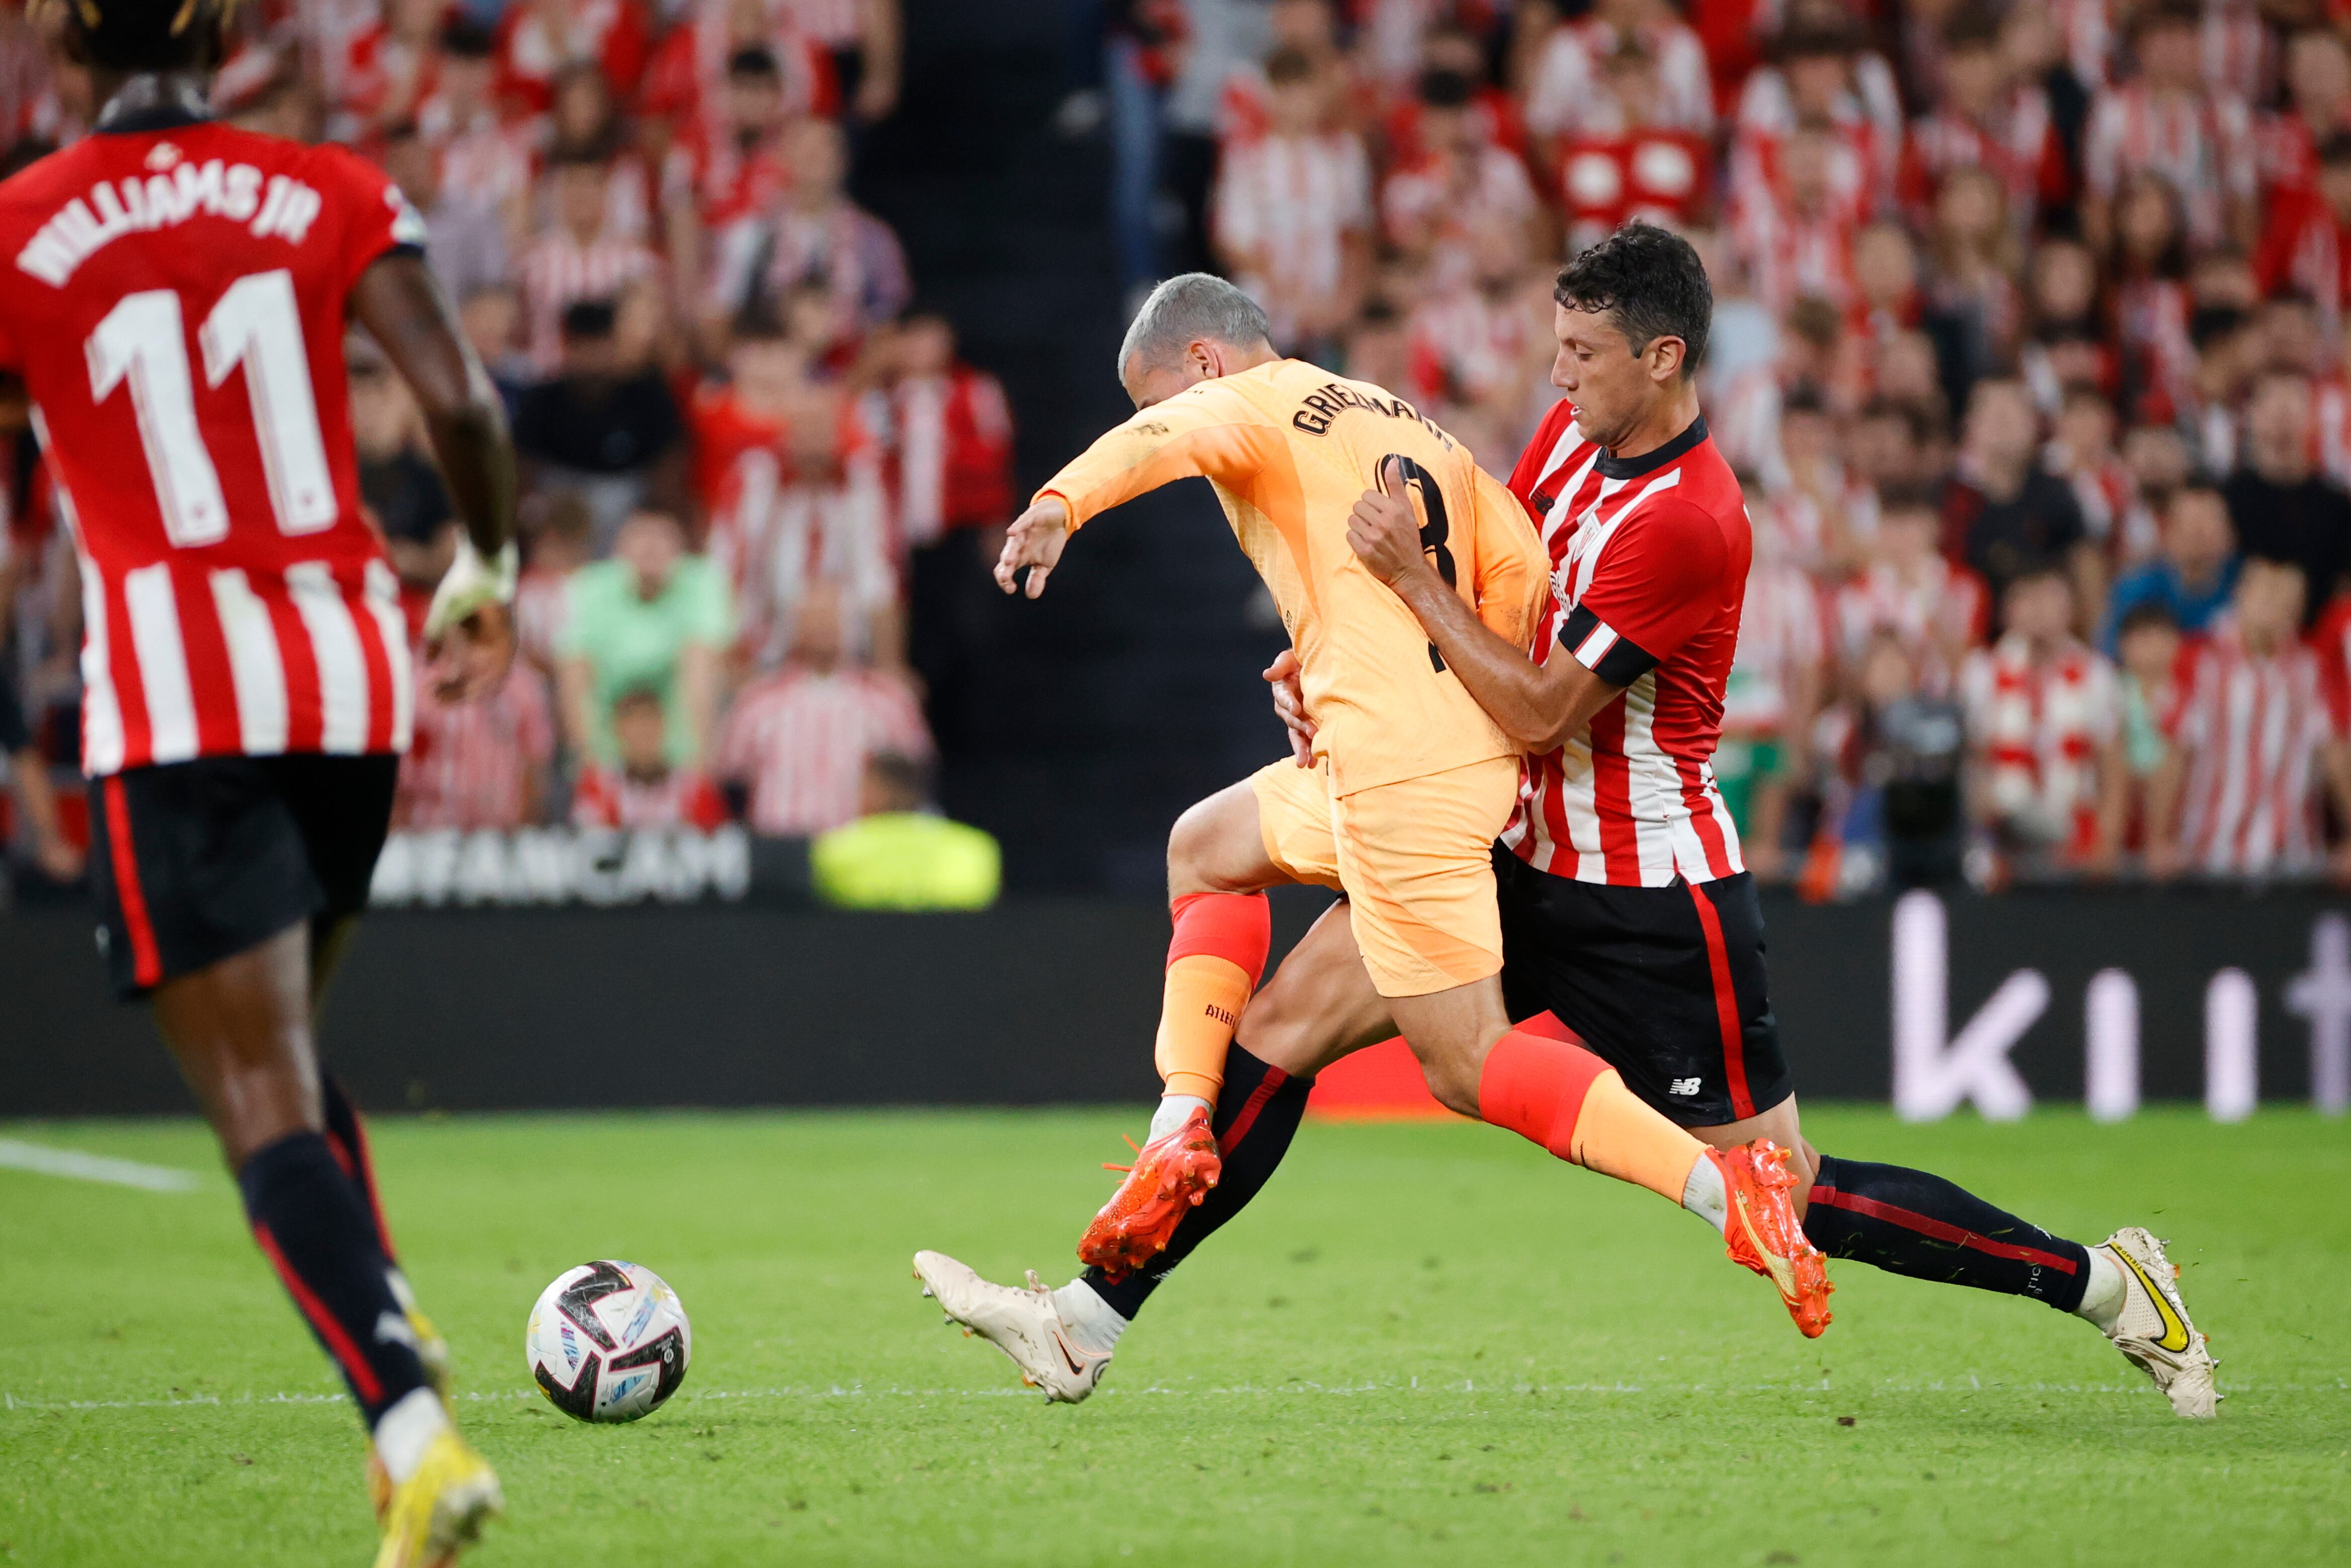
(1415, 858)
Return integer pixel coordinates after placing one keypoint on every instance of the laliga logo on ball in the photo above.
(608, 1342)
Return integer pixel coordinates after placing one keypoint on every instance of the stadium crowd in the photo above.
(2028, 349)
(748, 450)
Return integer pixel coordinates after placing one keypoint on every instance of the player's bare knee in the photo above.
(1215, 846)
(1452, 1074)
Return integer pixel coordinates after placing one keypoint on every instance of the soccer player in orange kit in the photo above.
(1411, 782)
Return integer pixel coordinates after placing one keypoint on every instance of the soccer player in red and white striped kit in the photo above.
(1627, 913)
(176, 311)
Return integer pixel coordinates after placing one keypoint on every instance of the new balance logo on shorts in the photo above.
(1683, 1086)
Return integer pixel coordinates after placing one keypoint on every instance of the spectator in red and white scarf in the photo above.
(645, 790)
(2237, 797)
(2044, 730)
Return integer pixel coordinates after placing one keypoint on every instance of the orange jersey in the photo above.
(1290, 447)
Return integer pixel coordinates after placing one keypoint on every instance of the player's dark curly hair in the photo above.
(1651, 280)
(147, 35)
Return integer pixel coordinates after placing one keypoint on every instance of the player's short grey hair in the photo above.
(1185, 309)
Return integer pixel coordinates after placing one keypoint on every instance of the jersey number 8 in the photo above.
(1434, 533)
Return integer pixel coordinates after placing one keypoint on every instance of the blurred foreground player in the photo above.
(1625, 910)
(1408, 784)
(176, 311)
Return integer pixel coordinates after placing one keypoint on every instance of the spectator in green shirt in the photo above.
(898, 856)
(652, 616)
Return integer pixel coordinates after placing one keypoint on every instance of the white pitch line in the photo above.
(79, 1165)
(10, 1402)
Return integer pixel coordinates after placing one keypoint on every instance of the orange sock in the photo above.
(1213, 964)
(1542, 1086)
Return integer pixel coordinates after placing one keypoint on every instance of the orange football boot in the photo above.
(1765, 1235)
(1171, 1174)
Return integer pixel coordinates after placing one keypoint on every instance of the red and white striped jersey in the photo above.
(1566, 95)
(680, 798)
(834, 24)
(536, 43)
(2285, 152)
(686, 79)
(1934, 607)
(954, 447)
(774, 529)
(487, 163)
(2303, 252)
(2241, 52)
(720, 178)
(1466, 346)
(2202, 144)
(1781, 639)
(2253, 727)
(800, 739)
(1285, 208)
(2087, 32)
(1766, 106)
(471, 764)
(2020, 146)
(2038, 728)
(1432, 201)
(1649, 559)
(558, 271)
(1790, 255)
(176, 309)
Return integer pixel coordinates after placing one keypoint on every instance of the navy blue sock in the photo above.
(347, 1141)
(1909, 1222)
(312, 1226)
(1257, 1114)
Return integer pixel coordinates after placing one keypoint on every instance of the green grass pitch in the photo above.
(1425, 1343)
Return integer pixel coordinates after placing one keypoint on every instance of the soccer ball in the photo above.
(608, 1342)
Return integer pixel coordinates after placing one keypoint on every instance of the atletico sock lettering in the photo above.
(1910, 1222)
(1544, 1087)
(1255, 1119)
(1213, 962)
(317, 1233)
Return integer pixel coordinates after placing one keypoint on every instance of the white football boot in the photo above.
(2153, 1329)
(1023, 1324)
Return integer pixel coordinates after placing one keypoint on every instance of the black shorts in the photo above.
(1665, 984)
(194, 861)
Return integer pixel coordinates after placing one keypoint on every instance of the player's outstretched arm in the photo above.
(1035, 541)
(398, 301)
(1209, 432)
(1537, 705)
